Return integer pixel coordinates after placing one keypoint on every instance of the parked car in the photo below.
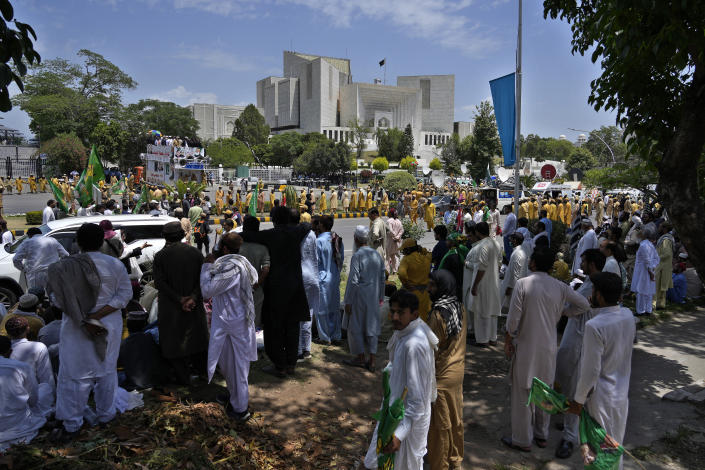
(143, 227)
(442, 203)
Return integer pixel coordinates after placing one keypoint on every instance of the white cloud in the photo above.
(213, 58)
(180, 95)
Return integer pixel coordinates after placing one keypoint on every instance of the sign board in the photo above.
(541, 186)
(548, 172)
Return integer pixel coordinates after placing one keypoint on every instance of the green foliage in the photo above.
(412, 230)
(408, 163)
(65, 153)
(485, 143)
(250, 127)
(453, 154)
(110, 141)
(16, 45)
(33, 218)
(285, 148)
(581, 158)
(407, 141)
(436, 164)
(380, 164)
(166, 117)
(391, 144)
(545, 148)
(638, 175)
(63, 97)
(399, 181)
(229, 152)
(612, 137)
(323, 158)
(359, 134)
(181, 188)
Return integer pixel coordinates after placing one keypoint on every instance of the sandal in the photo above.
(507, 441)
(354, 363)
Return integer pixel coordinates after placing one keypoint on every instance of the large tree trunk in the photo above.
(678, 176)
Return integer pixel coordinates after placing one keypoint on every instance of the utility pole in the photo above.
(517, 136)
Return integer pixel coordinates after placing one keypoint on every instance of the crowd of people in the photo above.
(205, 306)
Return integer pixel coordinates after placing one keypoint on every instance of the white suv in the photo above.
(143, 228)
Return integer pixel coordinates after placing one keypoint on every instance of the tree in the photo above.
(16, 45)
(390, 144)
(285, 148)
(167, 117)
(435, 164)
(599, 139)
(407, 142)
(229, 152)
(653, 76)
(399, 181)
(556, 149)
(325, 158)
(408, 163)
(110, 141)
(359, 135)
(451, 156)
(380, 164)
(581, 159)
(65, 153)
(638, 175)
(63, 97)
(485, 142)
(250, 127)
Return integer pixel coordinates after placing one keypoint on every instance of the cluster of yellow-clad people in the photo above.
(35, 184)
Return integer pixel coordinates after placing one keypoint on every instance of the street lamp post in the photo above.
(601, 140)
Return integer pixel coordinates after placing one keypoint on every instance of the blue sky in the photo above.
(214, 51)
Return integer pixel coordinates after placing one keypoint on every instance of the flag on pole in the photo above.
(59, 196)
(91, 176)
(253, 201)
(504, 100)
(144, 194)
(381, 62)
(95, 167)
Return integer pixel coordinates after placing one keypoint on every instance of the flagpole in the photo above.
(517, 136)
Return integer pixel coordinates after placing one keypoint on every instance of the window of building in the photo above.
(425, 93)
(435, 139)
(336, 135)
(425, 139)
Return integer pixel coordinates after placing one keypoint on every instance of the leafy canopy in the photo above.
(229, 152)
(65, 153)
(250, 127)
(380, 164)
(16, 46)
(399, 181)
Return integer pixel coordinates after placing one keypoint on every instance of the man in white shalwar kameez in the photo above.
(568, 356)
(605, 369)
(35, 255)
(36, 355)
(485, 256)
(364, 293)
(587, 241)
(309, 272)
(88, 349)
(412, 367)
(378, 232)
(538, 301)
(229, 281)
(19, 396)
(644, 277)
(517, 268)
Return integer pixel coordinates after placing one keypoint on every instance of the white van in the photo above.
(143, 228)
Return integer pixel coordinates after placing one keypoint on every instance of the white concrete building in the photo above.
(215, 120)
(317, 94)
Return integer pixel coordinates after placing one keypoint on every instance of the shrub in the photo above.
(435, 164)
(33, 218)
(399, 181)
(380, 164)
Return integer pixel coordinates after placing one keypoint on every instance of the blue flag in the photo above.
(504, 99)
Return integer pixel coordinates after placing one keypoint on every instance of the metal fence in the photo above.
(20, 162)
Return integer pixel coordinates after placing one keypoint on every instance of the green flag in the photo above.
(59, 196)
(95, 168)
(92, 174)
(144, 195)
(84, 190)
(253, 201)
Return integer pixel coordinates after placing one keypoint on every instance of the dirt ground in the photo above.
(321, 418)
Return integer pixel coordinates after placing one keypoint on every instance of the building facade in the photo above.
(215, 120)
(317, 94)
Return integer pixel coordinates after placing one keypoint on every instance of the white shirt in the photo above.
(107, 212)
(18, 395)
(612, 266)
(7, 237)
(36, 355)
(412, 366)
(47, 215)
(77, 356)
(37, 253)
(309, 270)
(587, 241)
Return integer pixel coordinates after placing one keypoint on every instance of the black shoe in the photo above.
(275, 371)
(223, 398)
(239, 417)
(337, 342)
(321, 342)
(304, 355)
(564, 450)
(62, 436)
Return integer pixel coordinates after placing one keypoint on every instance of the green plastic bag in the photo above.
(546, 398)
(607, 452)
(389, 418)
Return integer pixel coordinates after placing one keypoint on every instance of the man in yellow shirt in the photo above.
(533, 209)
(429, 214)
(32, 184)
(18, 185)
(524, 208)
(414, 209)
(413, 273)
(323, 203)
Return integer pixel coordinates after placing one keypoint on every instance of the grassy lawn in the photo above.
(16, 222)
